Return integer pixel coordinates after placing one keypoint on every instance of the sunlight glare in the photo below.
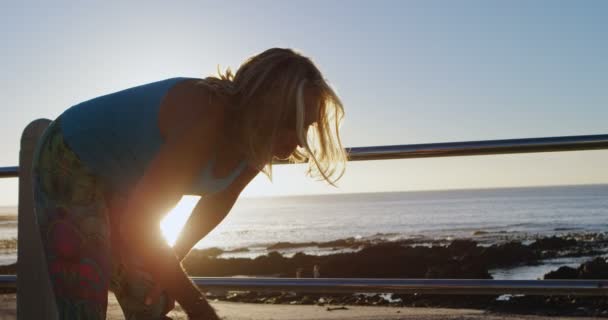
(174, 221)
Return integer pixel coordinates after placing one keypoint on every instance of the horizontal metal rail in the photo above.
(9, 172)
(476, 148)
(453, 149)
(427, 286)
(407, 286)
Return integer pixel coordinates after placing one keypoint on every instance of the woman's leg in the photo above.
(130, 281)
(73, 222)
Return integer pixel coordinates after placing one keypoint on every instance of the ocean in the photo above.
(485, 215)
(492, 214)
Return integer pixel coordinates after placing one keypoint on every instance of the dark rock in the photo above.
(562, 273)
(553, 243)
(462, 246)
(291, 245)
(8, 269)
(594, 269)
(480, 233)
(307, 300)
(508, 254)
(341, 243)
(211, 252)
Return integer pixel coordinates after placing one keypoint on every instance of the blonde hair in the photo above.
(268, 89)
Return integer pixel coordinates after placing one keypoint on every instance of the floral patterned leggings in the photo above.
(80, 242)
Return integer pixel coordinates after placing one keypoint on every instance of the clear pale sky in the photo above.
(408, 72)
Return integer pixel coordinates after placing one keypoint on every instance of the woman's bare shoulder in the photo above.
(188, 102)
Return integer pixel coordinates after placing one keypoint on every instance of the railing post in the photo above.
(35, 299)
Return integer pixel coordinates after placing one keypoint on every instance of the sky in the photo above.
(407, 71)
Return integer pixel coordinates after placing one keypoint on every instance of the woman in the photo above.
(107, 170)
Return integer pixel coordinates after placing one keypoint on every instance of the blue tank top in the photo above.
(117, 136)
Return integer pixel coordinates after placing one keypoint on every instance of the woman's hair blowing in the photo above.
(269, 90)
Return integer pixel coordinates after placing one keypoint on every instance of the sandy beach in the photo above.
(250, 311)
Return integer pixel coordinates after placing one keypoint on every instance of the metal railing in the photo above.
(431, 286)
(453, 149)
(9, 172)
(420, 286)
(476, 148)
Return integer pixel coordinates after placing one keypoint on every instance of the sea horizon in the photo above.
(264, 197)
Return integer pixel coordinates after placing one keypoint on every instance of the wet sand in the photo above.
(249, 311)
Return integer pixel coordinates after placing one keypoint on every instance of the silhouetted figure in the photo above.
(107, 170)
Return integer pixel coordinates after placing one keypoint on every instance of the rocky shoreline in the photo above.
(456, 259)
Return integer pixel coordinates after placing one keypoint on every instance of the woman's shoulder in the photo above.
(186, 102)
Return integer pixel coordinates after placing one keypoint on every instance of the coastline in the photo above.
(414, 258)
(456, 259)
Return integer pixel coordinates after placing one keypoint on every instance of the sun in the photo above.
(174, 221)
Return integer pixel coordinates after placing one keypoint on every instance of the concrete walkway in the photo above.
(249, 311)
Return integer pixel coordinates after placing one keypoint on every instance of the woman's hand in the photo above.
(200, 310)
(196, 308)
(153, 297)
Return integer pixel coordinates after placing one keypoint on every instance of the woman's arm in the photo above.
(209, 212)
(166, 179)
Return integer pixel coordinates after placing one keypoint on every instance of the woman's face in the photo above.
(286, 140)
